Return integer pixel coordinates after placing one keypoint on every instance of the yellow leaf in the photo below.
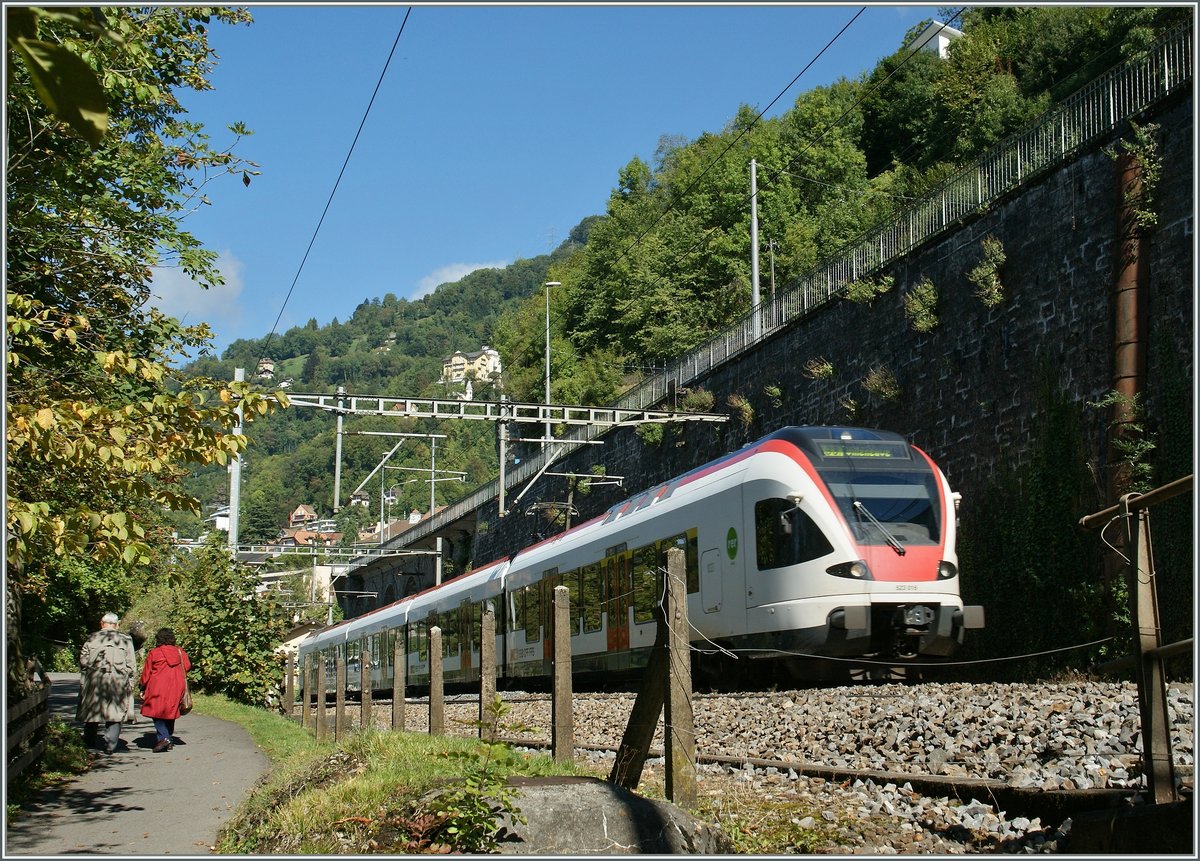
(45, 418)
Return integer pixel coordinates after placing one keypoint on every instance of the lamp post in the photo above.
(548, 285)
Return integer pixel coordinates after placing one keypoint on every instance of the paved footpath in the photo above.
(136, 802)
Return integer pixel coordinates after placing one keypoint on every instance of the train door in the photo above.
(710, 580)
(616, 564)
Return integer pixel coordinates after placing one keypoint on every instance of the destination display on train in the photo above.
(857, 449)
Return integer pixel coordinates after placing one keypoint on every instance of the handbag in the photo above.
(185, 702)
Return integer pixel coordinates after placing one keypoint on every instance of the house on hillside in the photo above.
(265, 369)
(218, 521)
(936, 39)
(481, 365)
(360, 498)
(303, 514)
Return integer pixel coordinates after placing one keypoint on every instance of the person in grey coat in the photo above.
(107, 668)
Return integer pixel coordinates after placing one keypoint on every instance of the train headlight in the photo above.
(856, 570)
(947, 570)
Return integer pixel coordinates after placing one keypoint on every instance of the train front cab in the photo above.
(868, 535)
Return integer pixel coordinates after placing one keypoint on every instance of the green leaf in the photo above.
(68, 86)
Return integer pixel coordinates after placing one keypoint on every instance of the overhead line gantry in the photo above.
(503, 412)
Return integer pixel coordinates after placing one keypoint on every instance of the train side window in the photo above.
(691, 557)
(574, 599)
(533, 613)
(645, 583)
(591, 597)
(785, 535)
(422, 638)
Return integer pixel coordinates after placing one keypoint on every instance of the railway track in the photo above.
(925, 768)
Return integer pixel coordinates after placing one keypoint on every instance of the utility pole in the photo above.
(337, 457)
(235, 472)
(548, 285)
(771, 245)
(754, 291)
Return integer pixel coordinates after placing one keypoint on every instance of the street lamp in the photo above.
(548, 285)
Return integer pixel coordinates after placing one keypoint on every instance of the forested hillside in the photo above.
(668, 262)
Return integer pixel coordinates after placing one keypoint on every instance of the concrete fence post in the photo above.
(399, 669)
(437, 689)
(487, 674)
(560, 709)
(679, 733)
(366, 718)
(339, 699)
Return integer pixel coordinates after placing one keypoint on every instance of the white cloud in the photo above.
(178, 296)
(452, 272)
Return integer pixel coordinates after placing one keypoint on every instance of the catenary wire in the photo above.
(337, 182)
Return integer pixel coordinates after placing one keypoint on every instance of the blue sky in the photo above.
(495, 130)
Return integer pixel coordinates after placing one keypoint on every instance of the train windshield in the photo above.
(887, 507)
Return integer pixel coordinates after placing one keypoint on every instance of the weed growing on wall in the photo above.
(882, 383)
(741, 408)
(1024, 558)
(864, 290)
(986, 275)
(1145, 149)
(920, 306)
(818, 368)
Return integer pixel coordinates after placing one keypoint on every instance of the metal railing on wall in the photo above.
(1094, 111)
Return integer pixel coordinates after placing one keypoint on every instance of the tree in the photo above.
(99, 432)
(228, 629)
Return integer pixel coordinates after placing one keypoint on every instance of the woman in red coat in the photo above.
(162, 686)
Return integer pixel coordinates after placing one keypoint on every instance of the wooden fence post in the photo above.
(319, 716)
(1157, 759)
(679, 734)
(487, 674)
(307, 693)
(563, 736)
(289, 684)
(437, 690)
(366, 717)
(399, 668)
(339, 699)
(643, 717)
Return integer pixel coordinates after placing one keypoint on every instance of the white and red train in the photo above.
(813, 544)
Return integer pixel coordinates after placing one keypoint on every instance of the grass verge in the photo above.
(371, 792)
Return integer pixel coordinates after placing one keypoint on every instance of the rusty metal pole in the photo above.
(437, 690)
(1157, 760)
(366, 716)
(1129, 314)
(487, 674)
(563, 741)
(398, 682)
(679, 733)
